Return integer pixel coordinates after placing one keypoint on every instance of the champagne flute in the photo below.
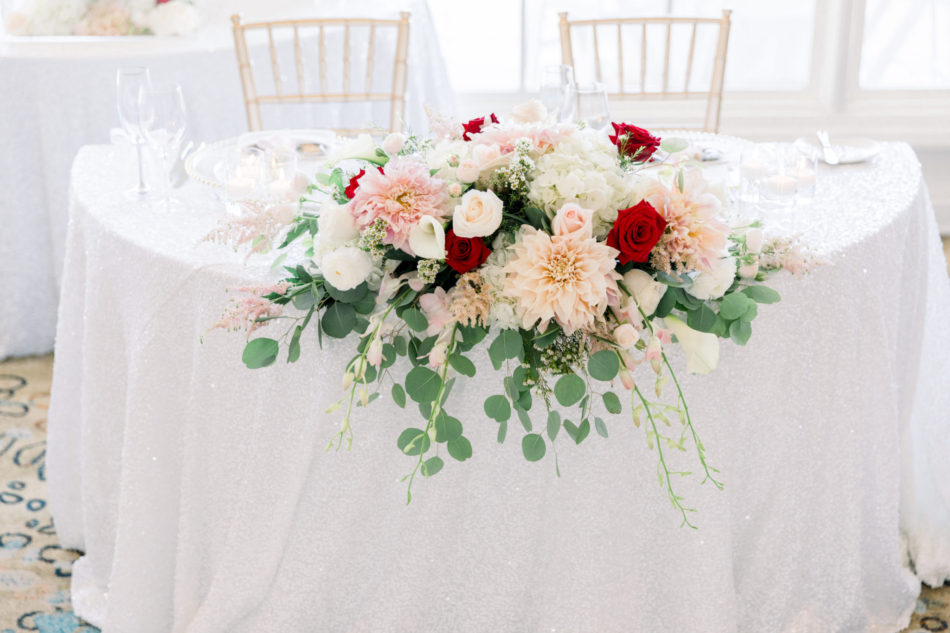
(131, 82)
(592, 106)
(557, 91)
(163, 124)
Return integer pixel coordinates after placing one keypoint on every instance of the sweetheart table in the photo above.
(61, 95)
(204, 501)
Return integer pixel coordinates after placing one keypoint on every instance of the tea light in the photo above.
(753, 169)
(781, 185)
(804, 175)
(240, 186)
(280, 187)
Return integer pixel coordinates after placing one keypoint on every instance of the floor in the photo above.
(35, 570)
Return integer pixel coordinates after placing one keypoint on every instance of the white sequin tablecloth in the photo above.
(59, 94)
(203, 499)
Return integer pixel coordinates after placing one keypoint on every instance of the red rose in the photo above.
(465, 253)
(636, 232)
(475, 126)
(634, 142)
(351, 188)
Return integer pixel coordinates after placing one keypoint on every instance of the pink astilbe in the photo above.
(259, 225)
(695, 235)
(401, 196)
(246, 312)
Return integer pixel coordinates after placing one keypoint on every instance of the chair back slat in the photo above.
(661, 88)
(281, 34)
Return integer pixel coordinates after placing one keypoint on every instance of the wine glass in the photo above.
(131, 82)
(163, 124)
(592, 105)
(557, 91)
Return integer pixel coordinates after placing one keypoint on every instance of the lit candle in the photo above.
(780, 185)
(753, 169)
(804, 176)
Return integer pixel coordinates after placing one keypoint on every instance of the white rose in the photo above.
(468, 171)
(455, 190)
(173, 18)
(486, 154)
(362, 147)
(754, 239)
(427, 238)
(646, 291)
(531, 112)
(393, 143)
(626, 335)
(479, 215)
(714, 283)
(701, 348)
(749, 271)
(346, 267)
(336, 225)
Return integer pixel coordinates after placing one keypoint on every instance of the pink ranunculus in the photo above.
(435, 305)
(573, 219)
(401, 197)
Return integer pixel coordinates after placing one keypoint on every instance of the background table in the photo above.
(60, 95)
(830, 427)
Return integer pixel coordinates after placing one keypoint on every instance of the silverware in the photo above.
(830, 155)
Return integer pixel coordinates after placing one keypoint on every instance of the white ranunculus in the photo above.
(468, 171)
(531, 112)
(714, 283)
(175, 17)
(346, 267)
(646, 291)
(701, 348)
(478, 215)
(336, 225)
(393, 143)
(362, 147)
(427, 238)
(455, 190)
(754, 239)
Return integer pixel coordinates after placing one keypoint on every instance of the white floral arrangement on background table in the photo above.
(574, 256)
(100, 17)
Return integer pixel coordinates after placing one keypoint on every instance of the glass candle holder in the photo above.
(245, 176)
(804, 169)
(280, 171)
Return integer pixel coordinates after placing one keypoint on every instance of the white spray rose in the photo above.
(701, 348)
(714, 283)
(468, 171)
(749, 271)
(531, 112)
(336, 225)
(346, 267)
(646, 291)
(478, 215)
(393, 143)
(626, 335)
(455, 190)
(427, 238)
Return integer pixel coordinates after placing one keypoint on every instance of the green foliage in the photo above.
(524, 418)
(339, 320)
(447, 429)
(415, 319)
(601, 427)
(423, 384)
(462, 365)
(497, 408)
(554, 424)
(460, 448)
(612, 402)
(761, 294)
(734, 305)
(293, 349)
(532, 445)
(347, 296)
(260, 352)
(506, 345)
(413, 441)
(431, 466)
(604, 365)
(702, 319)
(399, 395)
(577, 433)
(569, 389)
(740, 331)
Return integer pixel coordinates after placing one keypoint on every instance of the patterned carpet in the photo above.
(35, 570)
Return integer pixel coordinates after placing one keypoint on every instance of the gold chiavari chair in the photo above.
(301, 91)
(601, 27)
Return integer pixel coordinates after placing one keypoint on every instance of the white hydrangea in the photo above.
(47, 17)
(175, 17)
(582, 169)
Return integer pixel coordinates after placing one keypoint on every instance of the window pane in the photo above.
(770, 44)
(481, 43)
(906, 45)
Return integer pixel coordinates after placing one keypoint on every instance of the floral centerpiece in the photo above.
(548, 243)
(101, 17)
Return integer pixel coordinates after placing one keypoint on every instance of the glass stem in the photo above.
(143, 189)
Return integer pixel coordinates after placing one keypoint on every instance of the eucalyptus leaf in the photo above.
(462, 365)
(447, 428)
(524, 418)
(554, 424)
(740, 331)
(415, 319)
(347, 296)
(761, 294)
(569, 389)
(460, 448)
(533, 447)
(702, 319)
(293, 349)
(338, 320)
(423, 384)
(431, 466)
(612, 402)
(734, 305)
(603, 365)
(502, 432)
(399, 395)
(413, 441)
(260, 352)
(601, 427)
(497, 408)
